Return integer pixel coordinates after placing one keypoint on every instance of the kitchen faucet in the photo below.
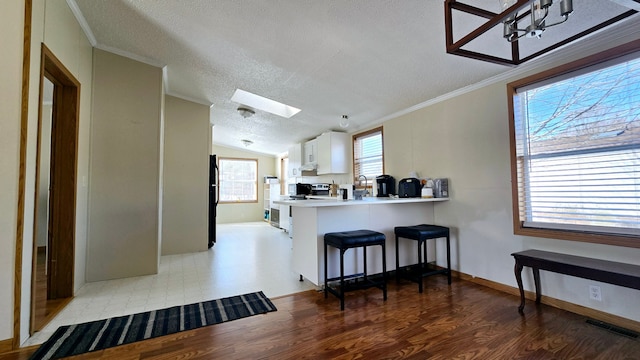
(366, 191)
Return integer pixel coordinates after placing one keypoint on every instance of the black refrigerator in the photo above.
(213, 198)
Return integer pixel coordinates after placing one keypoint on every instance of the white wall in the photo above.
(65, 39)
(125, 168)
(187, 140)
(466, 139)
(245, 212)
(11, 28)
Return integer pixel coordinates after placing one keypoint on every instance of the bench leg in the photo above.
(536, 280)
(518, 271)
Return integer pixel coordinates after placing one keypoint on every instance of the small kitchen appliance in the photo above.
(299, 190)
(386, 185)
(320, 189)
(441, 188)
(409, 188)
(348, 190)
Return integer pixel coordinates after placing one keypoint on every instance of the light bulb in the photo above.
(538, 9)
(504, 4)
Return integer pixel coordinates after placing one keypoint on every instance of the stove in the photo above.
(320, 189)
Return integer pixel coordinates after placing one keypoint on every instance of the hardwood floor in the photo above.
(461, 321)
(45, 309)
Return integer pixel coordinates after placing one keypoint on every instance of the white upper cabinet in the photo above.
(310, 153)
(333, 153)
(295, 160)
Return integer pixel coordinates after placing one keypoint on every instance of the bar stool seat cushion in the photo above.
(422, 232)
(347, 239)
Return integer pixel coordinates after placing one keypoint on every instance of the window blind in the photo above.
(368, 156)
(578, 150)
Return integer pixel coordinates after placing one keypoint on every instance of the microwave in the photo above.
(299, 189)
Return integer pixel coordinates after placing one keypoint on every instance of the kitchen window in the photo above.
(238, 180)
(576, 150)
(368, 155)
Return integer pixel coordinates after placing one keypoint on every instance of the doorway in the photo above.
(55, 198)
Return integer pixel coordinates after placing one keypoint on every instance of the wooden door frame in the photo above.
(24, 121)
(63, 180)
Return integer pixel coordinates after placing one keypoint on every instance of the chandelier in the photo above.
(520, 19)
(539, 12)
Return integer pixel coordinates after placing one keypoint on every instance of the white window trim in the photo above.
(220, 160)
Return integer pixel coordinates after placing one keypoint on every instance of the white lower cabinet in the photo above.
(284, 217)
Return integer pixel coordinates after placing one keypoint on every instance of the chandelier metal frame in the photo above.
(497, 19)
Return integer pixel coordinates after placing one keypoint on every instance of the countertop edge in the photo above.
(373, 201)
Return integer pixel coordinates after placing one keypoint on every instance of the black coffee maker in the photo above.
(386, 185)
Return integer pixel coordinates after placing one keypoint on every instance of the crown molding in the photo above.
(92, 39)
(189, 98)
(596, 42)
(82, 22)
(130, 55)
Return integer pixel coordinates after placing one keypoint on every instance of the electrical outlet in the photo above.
(594, 293)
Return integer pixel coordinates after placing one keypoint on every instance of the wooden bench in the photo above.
(627, 275)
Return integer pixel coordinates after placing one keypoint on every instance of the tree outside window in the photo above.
(576, 152)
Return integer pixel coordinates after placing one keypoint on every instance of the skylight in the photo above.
(264, 104)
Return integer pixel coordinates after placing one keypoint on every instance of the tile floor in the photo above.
(247, 257)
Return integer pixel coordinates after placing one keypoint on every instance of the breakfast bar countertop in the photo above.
(313, 217)
(324, 201)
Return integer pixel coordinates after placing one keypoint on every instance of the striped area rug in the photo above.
(97, 335)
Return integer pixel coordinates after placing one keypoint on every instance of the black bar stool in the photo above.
(422, 233)
(353, 239)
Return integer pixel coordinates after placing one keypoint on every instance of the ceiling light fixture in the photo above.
(262, 103)
(513, 12)
(344, 122)
(246, 142)
(245, 112)
(539, 12)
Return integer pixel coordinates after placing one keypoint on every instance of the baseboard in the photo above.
(6, 346)
(560, 304)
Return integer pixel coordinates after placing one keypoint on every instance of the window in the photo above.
(368, 156)
(238, 180)
(576, 151)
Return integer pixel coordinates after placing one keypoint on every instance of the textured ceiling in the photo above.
(364, 58)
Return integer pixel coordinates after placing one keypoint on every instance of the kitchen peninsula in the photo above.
(313, 218)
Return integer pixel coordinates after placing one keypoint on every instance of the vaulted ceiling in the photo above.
(368, 59)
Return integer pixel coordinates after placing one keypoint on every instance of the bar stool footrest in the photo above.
(358, 285)
(415, 274)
